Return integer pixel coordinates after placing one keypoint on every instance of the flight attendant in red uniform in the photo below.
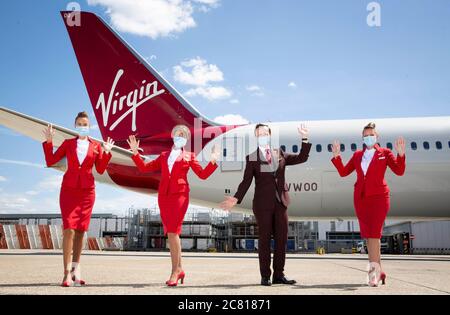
(77, 195)
(371, 194)
(173, 192)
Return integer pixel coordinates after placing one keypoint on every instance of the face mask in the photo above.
(370, 141)
(179, 142)
(263, 141)
(83, 131)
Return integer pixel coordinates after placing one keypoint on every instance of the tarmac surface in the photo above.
(113, 273)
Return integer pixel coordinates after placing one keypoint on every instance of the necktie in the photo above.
(268, 156)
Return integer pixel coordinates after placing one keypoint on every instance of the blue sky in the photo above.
(314, 59)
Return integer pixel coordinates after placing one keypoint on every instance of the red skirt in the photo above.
(371, 212)
(76, 207)
(173, 209)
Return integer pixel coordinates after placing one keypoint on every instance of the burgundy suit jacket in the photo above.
(268, 184)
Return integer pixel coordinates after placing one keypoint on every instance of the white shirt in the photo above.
(366, 159)
(174, 154)
(82, 149)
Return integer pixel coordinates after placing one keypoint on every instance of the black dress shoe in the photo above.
(283, 280)
(266, 282)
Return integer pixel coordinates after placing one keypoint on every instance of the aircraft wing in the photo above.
(32, 127)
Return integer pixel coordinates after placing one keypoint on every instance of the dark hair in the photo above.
(263, 125)
(81, 115)
(370, 125)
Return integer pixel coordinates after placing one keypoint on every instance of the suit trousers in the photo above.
(272, 222)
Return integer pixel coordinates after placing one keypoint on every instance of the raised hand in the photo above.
(134, 144)
(49, 133)
(228, 203)
(303, 131)
(336, 148)
(108, 145)
(215, 154)
(400, 146)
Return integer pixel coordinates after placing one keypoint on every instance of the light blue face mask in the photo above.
(179, 142)
(263, 141)
(370, 141)
(83, 131)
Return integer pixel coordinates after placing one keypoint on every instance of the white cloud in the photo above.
(207, 5)
(231, 119)
(13, 203)
(211, 93)
(2, 179)
(198, 73)
(201, 73)
(150, 58)
(292, 85)
(50, 183)
(154, 18)
(255, 90)
(234, 101)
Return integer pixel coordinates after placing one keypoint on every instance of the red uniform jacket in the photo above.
(373, 183)
(78, 176)
(175, 182)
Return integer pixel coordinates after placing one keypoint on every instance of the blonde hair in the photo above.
(182, 128)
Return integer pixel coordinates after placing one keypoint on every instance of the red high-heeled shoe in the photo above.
(175, 283)
(383, 278)
(67, 284)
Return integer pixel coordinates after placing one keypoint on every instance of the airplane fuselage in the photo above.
(317, 190)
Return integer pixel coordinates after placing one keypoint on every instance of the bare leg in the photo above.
(374, 248)
(68, 236)
(175, 254)
(77, 246)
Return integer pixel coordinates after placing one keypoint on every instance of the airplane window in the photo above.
(414, 146)
(283, 147)
(389, 145)
(330, 147)
(295, 148)
(342, 147)
(354, 147)
(439, 145)
(426, 145)
(319, 148)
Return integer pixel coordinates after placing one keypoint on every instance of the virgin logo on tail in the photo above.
(121, 106)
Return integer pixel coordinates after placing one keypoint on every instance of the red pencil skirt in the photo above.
(76, 207)
(371, 212)
(173, 209)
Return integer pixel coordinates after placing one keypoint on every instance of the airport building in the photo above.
(218, 231)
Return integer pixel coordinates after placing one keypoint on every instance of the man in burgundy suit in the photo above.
(270, 201)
